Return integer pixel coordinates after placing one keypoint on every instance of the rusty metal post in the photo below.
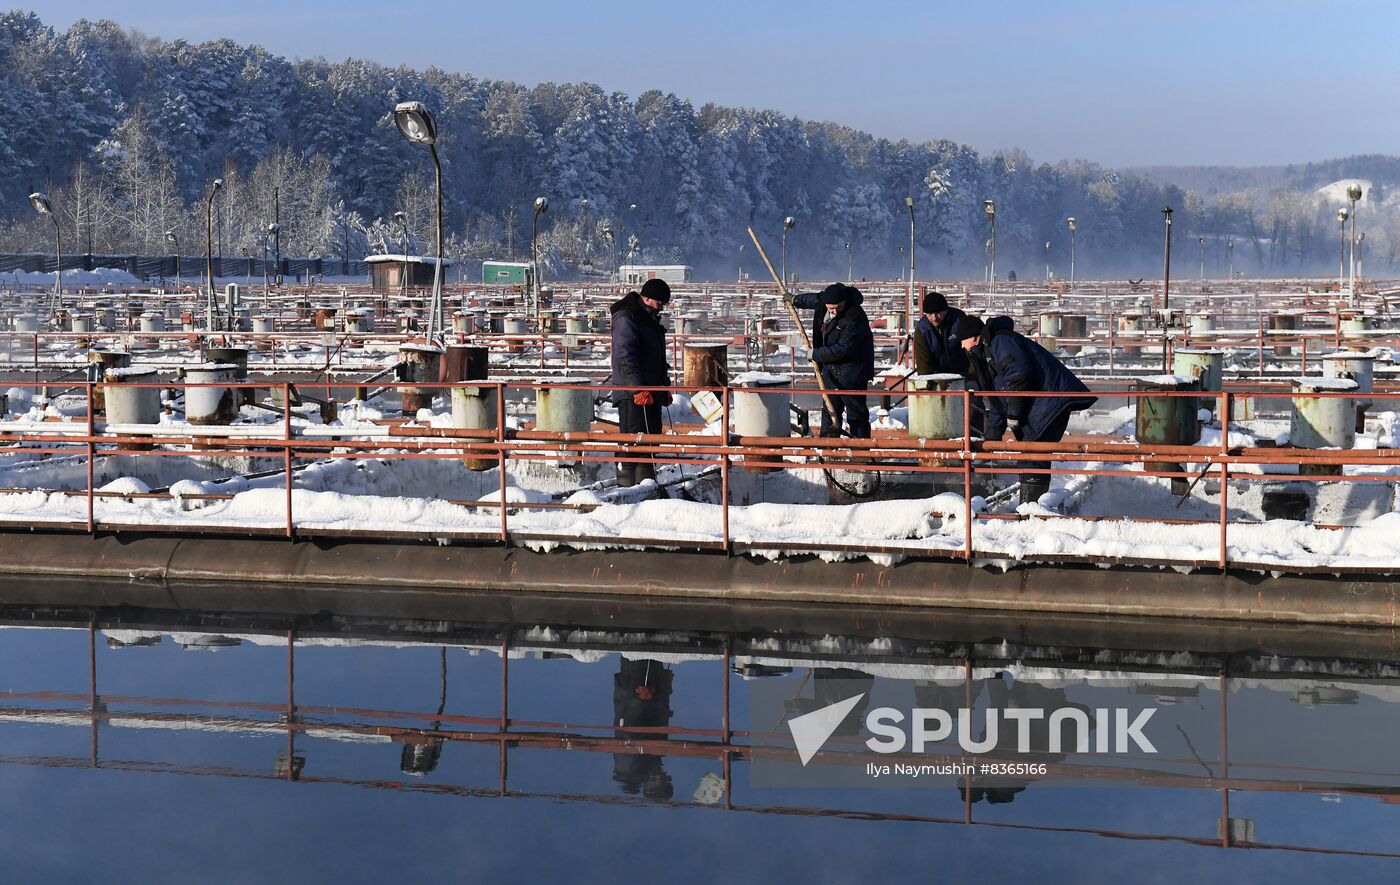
(287, 456)
(724, 473)
(1261, 347)
(91, 456)
(967, 476)
(500, 439)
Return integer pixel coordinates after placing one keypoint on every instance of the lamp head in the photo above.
(1343, 214)
(909, 202)
(274, 228)
(1353, 192)
(170, 235)
(1203, 241)
(541, 205)
(218, 183)
(40, 201)
(990, 208)
(1071, 223)
(789, 222)
(400, 218)
(415, 122)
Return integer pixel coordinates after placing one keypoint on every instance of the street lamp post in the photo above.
(175, 240)
(901, 263)
(850, 263)
(1353, 194)
(1073, 226)
(1047, 261)
(541, 207)
(607, 233)
(417, 125)
(1166, 284)
(1203, 260)
(910, 307)
(209, 250)
(41, 203)
(990, 207)
(1342, 216)
(1230, 259)
(274, 231)
(741, 262)
(787, 226)
(402, 221)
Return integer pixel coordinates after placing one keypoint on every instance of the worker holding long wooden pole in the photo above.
(841, 348)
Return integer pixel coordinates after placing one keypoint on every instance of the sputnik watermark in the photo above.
(996, 746)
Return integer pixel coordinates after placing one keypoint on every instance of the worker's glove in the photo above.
(788, 296)
(663, 398)
(643, 398)
(1014, 425)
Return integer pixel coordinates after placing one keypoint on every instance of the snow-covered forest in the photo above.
(127, 133)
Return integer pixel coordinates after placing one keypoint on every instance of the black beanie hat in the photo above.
(657, 290)
(935, 302)
(835, 293)
(969, 327)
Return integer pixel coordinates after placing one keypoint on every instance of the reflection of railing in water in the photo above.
(423, 744)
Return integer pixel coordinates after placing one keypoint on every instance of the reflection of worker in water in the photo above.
(832, 685)
(642, 699)
(1005, 693)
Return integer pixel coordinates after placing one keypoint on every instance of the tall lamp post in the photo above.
(541, 207)
(402, 221)
(1166, 283)
(850, 263)
(990, 207)
(41, 203)
(1342, 216)
(1353, 194)
(1230, 259)
(1073, 226)
(910, 308)
(209, 250)
(787, 226)
(1203, 260)
(416, 124)
(175, 241)
(741, 262)
(607, 233)
(1047, 261)
(274, 233)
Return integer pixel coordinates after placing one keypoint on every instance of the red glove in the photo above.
(643, 398)
(663, 398)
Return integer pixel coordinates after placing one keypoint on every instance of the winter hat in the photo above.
(969, 327)
(657, 290)
(835, 293)
(935, 302)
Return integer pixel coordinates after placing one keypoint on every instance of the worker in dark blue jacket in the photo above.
(937, 349)
(639, 360)
(843, 347)
(1000, 358)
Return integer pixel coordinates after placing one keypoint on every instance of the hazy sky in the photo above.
(1122, 82)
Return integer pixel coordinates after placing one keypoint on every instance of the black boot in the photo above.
(1032, 487)
(626, 475)
(645, 472)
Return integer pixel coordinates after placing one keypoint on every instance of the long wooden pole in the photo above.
(796, 318)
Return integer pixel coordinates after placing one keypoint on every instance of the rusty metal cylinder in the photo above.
(1167, 420)
(359, 321)
(128, 404)
(515, 325)
(705, 365)
(209, 405)
(1202, 324)
(323, 320)
(565, 410)
(1323, 422)
(99, 361)
(1283, 322)
(1130, 326)
(1359, 367)
(421, 363)
(1206, 366)
(473, 408)
(1073, 326)
(237, 356)
(1355, 327)
(762, 407)
(936, 417)
(106, 318)
(1051, 322)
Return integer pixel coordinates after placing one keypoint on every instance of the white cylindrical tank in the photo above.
(565, 410)
(126, 404)
(474, 408)
(759, 409)
(936, 417)
(211, 405)
(1320, 422)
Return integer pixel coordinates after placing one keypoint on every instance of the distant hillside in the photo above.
(1214, 181)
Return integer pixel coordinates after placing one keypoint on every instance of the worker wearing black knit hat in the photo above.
(639, 360)
(936, 347)
(843, 348)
